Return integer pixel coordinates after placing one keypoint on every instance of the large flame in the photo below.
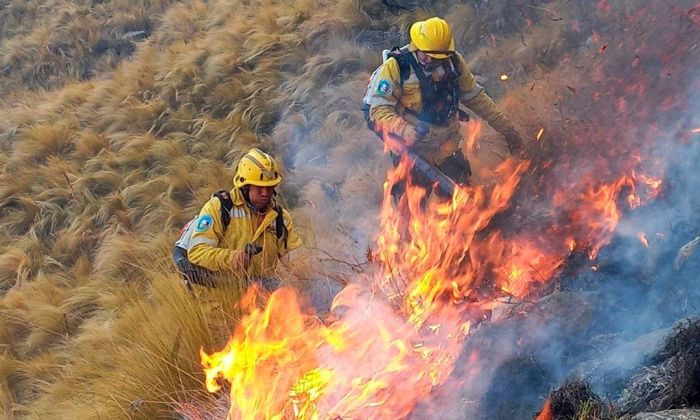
(398, 331)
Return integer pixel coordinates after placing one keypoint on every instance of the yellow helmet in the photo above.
(433, 37)
(257, 168)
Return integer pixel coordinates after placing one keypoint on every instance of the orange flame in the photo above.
(473, 131)
(546, 413)
(399, 333)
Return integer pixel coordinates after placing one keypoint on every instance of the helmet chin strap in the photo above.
(245, 191)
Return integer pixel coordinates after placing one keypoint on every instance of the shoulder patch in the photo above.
(204, 223)
(383, 88)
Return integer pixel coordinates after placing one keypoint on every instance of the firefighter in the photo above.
(415, 95)
(243, 231)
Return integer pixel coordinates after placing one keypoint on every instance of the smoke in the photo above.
(610, 315)
(610, 86)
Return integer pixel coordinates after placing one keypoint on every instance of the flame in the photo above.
(546, 413)
(539, 134)
(695, 130)
(473, 132)
(653, 184)
(504, 77)
(398, 333)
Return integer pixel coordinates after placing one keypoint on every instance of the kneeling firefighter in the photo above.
(414, 96)
(243, 232)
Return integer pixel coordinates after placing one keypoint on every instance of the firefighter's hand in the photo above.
(515, 143)
(241, 259)
(422, 130)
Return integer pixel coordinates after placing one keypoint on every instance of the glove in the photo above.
(514, 142)
(422, 129)
(415, 133)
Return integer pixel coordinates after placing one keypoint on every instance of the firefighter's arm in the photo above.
(474, 97)
(208, 233)
(385, 88)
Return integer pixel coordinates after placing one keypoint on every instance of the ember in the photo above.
(539, 134)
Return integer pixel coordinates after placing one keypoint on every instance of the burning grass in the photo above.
(572, 401)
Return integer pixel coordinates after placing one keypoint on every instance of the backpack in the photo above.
(440, 99)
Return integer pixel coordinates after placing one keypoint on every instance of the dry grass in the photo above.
(673, 381)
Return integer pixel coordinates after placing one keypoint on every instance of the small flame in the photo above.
(546, 413)
(539, 134)
(633, 200)
(695, 130)
(643, 239)
(571, 243)
(651, 182)
(473, 132)
(504, 77)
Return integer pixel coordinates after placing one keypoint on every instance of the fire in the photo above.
(399, 332)
(504, 77)
(633, 200)
(546, 413)
(654, 185)
(473, 132)
(695, 130)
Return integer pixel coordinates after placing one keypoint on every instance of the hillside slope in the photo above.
(110, 141)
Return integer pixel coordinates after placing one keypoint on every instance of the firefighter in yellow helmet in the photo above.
(243, 232)
(415, 95)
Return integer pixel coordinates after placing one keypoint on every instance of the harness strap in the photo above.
(226, 206)
(280, 228)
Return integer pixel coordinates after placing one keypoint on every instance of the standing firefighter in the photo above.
(242, 232)
(414, 98)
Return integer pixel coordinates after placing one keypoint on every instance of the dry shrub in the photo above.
(13, 268)
(142, 362)
(38, 142)
(8, 369)
(673, 381)
(33, 313)
(124, 256)
(575, 400)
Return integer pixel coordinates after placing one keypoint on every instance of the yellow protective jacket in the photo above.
(212, 248)
(390, 100)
